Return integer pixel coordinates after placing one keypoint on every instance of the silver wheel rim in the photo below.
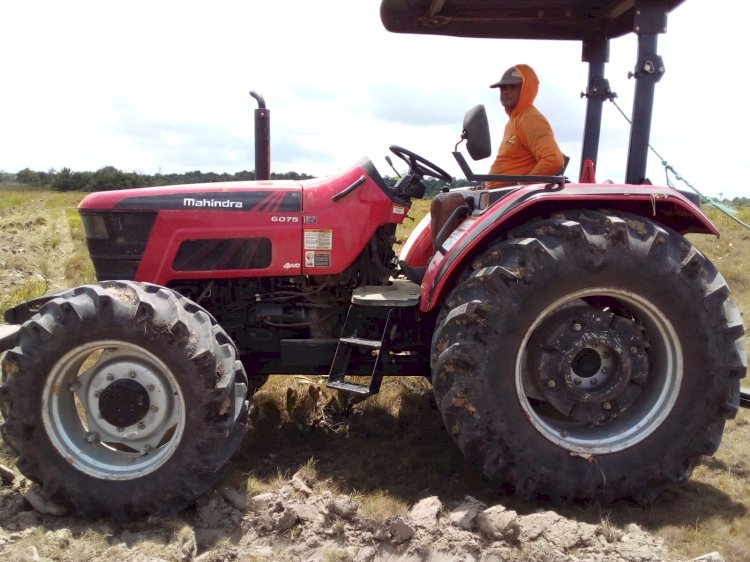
(644, 416)
(91, 439)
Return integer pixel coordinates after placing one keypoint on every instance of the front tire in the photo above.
(591, 355)
(124, 399)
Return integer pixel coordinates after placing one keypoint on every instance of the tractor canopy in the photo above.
(593, 22)
(525, 19)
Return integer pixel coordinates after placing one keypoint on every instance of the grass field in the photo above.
(392, 450)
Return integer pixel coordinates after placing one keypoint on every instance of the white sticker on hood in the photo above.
(318, 239)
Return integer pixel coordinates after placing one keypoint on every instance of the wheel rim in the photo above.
(113, 410)
(599, 370)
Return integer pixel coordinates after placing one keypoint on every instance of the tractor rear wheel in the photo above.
(591, 355)
(124, 399)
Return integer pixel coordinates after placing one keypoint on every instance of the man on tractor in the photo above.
(528, 148)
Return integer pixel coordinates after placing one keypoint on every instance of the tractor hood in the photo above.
(517, 19)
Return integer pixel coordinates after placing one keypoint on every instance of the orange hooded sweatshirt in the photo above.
(529, 146)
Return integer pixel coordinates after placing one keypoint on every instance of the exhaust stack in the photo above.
(262, 139)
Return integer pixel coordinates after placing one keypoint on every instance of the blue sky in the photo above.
(163, 86)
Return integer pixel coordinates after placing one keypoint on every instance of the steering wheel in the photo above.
(420, 164)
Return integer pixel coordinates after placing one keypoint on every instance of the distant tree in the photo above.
(110, 178)
(290, 176)
(245, 176)
(67, 180)
(7, 177)
(28, 177)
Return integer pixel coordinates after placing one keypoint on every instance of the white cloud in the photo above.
(164, 86)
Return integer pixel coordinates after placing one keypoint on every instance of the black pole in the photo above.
(650, 20)
(262, 139)
(596, 53)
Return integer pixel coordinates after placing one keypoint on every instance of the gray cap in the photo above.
(511, 76)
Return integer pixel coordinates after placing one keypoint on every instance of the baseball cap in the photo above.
(511, 76)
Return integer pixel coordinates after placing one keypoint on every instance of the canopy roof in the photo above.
(524, 19)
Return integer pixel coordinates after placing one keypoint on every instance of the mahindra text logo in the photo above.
(291, 266)
(226, 203)
(284, 219)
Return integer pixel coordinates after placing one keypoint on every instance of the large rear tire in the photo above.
(591, 355)
(124, 399)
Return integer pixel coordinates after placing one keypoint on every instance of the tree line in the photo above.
(110, 178)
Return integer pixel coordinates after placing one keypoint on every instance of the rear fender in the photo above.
(488, 224)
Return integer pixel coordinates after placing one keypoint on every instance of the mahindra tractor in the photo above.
(579, 346)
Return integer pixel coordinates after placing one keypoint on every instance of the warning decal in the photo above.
(317, 259)
(318, 239)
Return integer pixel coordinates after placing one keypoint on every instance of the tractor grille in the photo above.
(116, 241)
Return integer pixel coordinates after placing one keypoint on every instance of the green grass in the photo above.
(43, 244)
(14, 199)
(32, 288)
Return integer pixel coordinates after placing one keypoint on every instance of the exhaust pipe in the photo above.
(262, 139)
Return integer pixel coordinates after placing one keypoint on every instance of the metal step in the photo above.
(362, 320)
(360, 389)
(400, 292)
(361, 342)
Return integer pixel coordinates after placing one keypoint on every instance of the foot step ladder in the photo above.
(368, 326)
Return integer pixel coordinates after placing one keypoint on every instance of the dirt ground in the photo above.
(300, 521)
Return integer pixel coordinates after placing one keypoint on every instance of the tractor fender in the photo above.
(485, 225)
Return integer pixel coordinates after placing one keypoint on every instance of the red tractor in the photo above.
(579, 346)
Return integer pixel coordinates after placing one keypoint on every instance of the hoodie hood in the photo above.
(529, 88)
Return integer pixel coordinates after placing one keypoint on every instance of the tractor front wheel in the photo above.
(124, 399)
(591, 355)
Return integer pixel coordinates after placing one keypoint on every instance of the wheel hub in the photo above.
(124, 402)
(590, 365)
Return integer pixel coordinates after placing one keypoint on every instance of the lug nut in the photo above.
(605, 354)
(131, 374)
(633, 350)
(150, 388)
(604, 370)
(92, 437)
(607, 406)
(141, 425)
(577, 327)
(97, 394)
(110, 377)
(120, 430)
(551, 384)
(154, 409)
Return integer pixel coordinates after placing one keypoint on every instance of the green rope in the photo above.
(726, 209)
